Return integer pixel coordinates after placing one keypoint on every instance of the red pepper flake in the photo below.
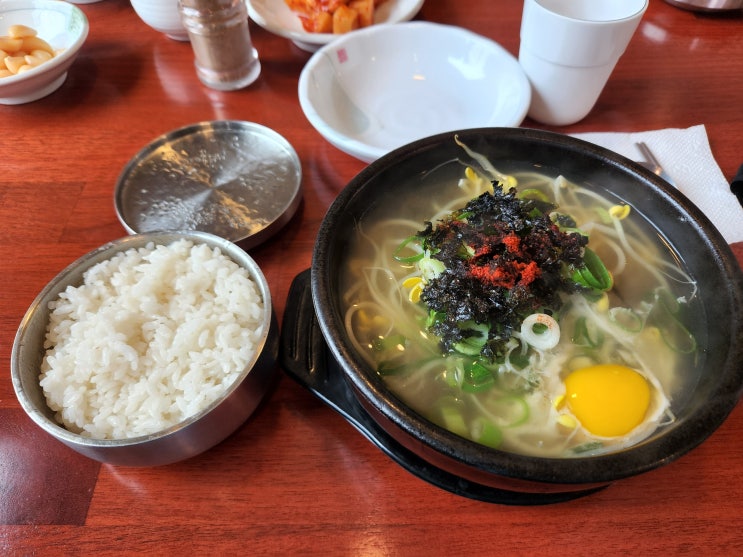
(493, 275)
(512, 243)
(529, 273)
(484, 249)
(505, 274)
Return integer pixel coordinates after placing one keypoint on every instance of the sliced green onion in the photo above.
(465, 252)
(477, 377)
(626, 319)
(518, 360)
(397, 254)
(434, 317)
(453, 420)
(676, 336)
(513, 410)
(572, 230)
(566, 224)
(590, 446)
(454, 376)
(486, 433)
(391, 367)
(533, 193)
(671, 303)
(604, 215)
(389, 342)
(430, 268)
(593, 274)
(472, 344)
(586, 333)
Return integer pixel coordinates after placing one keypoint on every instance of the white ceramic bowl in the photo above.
(379, 88)
(61, 24)
(163, 16)
(276, 17)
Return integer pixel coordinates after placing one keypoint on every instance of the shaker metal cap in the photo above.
(238, 180)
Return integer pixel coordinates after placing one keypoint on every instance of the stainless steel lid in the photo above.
(238, 180)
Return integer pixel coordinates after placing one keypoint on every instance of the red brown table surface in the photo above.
(297, 478)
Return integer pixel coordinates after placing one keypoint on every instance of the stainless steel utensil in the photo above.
(652, 164)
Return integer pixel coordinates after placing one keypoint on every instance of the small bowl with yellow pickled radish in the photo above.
(39, 41)
(520, 316)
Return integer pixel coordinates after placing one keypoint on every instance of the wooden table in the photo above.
(296, 478)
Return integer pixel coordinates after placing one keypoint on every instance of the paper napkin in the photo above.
(686, 156)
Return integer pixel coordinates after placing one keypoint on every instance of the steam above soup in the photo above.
(522, 311)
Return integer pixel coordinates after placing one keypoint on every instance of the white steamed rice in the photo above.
(153, 336)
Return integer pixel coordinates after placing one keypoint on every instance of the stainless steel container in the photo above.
(181, 441)
(708, 5)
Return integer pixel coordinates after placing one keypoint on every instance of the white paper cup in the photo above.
(568, 51)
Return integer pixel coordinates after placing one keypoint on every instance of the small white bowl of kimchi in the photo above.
(310, 28)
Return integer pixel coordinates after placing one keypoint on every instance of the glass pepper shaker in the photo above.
(224, 55)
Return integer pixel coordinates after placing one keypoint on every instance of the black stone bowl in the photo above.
(316, 350)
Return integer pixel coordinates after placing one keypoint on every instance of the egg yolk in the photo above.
(609, 400)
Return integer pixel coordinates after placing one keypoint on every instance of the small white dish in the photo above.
(276, 17)
(63, 25)
(382, 87)
(163, 16)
